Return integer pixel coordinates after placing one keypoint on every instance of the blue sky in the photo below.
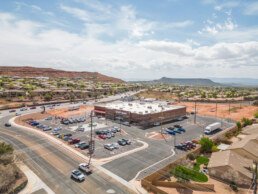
(132, 39)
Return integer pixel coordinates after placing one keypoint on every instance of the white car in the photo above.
(76, 174)
(85, 168)
(156, 124)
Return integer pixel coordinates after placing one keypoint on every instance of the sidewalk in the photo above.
(34, 182)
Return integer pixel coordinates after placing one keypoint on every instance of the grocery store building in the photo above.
(139, 112)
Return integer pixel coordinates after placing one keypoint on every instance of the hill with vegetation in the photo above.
(183, 82)
(23, 71)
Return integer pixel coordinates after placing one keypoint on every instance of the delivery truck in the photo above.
(212, 127)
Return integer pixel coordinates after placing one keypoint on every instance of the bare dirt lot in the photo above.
(63, 112)
(236, 112)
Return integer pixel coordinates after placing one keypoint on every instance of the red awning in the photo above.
(99, 111)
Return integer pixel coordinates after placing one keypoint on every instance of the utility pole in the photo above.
(216, 107)
(195, 112)
(91, 142)
(255, 178)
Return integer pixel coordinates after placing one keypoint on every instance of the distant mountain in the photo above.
(236, 81)
(183, 82)
(23, 71)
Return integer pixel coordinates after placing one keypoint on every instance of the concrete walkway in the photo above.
(34, 182)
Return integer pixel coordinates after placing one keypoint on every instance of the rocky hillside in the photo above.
(54, 73)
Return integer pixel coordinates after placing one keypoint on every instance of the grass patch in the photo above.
(202, 160)
(187, 174)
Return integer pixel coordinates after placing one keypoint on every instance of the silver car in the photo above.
(109, 147)
(115, 145)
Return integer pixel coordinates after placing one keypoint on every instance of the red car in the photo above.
(30, 121)
(34, 107)
(74, 140)
(102, 136)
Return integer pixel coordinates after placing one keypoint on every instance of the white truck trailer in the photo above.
(212, 127)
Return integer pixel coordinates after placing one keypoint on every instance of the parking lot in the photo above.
(157, 154)
(84, 136)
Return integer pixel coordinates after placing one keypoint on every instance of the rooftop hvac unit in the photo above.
(149, 107)
(146, 111)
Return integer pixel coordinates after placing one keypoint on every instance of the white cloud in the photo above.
(251, 8)
(78, 13)
(214, 29)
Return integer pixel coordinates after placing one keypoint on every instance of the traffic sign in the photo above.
(91, 146)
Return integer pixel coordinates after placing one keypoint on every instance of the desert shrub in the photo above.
(246, 121)
(228, 135)
(239, 125)
(214, 148)
(191, 156)
(8, 174)
(5, 148)
(256, 114)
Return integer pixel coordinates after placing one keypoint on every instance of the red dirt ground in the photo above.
(236, 113)
(63, 112)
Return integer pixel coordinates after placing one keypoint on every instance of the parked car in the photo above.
(180, 118)
(40, 126)
(128, 142)
(7, 124)
(178, 126)
(109, 147)
(54, 133)
(85, 168)
(67, 138)
(126, 123)
(48, 118)
(12, 111)
(181, 129)
(47, 128)
(108, 135)
(33, 107)
(34, 124)
(121, 142)
(171, 128)
(171, 132)
(177, 131)
(77, 175)
(102, 136)
(195, 141)
(79, 144)
(156, 124)
(23, 109)
(74, 140)
(68, 135)
(80, 129)
(115, 145)
(117, 129)
(17, 114)
(58, 128)
(84, 146)
(113, 130)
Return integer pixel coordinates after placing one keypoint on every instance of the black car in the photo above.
(7, 124)
(121, 142)
(178, 126)
(68, 135)
(127, 141)
(84, 146)
(171, 128)
(98, 132)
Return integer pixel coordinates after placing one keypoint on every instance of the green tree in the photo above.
(48, 96)
(256, 114)
(206, 144)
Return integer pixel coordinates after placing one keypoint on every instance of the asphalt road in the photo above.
(52, 164)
